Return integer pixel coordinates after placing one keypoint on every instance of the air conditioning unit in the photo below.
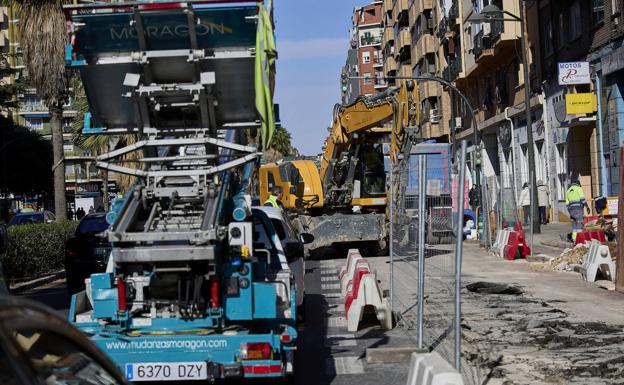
(433, 116)
(458, 122)
(431, 68)
(430, 23)
(487, 29)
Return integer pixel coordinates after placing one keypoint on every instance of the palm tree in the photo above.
(43, 34)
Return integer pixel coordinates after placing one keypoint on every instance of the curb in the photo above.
(391, 355)
(25, 286)
(557, 244)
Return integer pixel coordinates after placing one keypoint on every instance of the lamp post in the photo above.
(491, 13)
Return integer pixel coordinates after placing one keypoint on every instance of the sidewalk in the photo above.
(549, 241)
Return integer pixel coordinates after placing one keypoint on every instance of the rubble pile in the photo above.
(564, 262)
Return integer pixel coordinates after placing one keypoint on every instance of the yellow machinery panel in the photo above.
(299, 180)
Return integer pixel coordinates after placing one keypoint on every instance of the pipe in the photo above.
(422, 177)
(242, 206)
(513, 157)
(603, 167)
(459, 238)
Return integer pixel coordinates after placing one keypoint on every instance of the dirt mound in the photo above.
(564, 262)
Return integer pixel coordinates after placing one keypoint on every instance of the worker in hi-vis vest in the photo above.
(575, 202)
(275, 199)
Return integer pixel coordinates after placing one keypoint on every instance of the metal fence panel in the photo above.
(424, 216)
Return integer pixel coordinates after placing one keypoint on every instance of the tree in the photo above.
(43, 35)
(282, 142)
(25, 159)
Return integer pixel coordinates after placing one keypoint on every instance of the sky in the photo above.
(312, 40)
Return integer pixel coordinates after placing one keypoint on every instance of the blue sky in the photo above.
(312, 41)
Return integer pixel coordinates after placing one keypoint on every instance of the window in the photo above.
(367, 78)
(561, 39)
(576, 25)
(365, 57)
(547, 39)
(597, 12)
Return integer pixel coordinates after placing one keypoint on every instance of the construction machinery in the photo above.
(342, 200)
(197, 286)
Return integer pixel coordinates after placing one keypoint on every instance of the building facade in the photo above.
(364, 66)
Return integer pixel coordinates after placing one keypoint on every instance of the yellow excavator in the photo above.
(342, 198)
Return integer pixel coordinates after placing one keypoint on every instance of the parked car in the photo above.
(292, 243)
(38, 347)
(87, 251)
(32, 217)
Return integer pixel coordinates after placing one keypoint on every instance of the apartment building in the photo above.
(364, 58)
(428, 58)
(484, 61)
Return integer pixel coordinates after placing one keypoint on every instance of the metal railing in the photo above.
(372, 40)
(427, 219)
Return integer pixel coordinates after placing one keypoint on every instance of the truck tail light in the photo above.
(214, 292)
(121, 294)
(285, 338)
(256, 351)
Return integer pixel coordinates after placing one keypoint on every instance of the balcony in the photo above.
(389, 65)
(399, 6)
(429, 89)
(370, 40)
(380, 83)
(404, 38)
(377, 61)
(426, 44)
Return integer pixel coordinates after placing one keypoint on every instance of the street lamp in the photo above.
(491, 13)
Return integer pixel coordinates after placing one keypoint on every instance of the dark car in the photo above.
(87, 251)
(32, 217)
(38, 347)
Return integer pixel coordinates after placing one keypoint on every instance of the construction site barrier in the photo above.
(598, 259)
(502, 237)
(432, 369)
(516, 245)
(360, 289)
(588, 236)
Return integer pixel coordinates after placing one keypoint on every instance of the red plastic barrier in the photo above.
(516, 244)
(353, 292)
(588, 236)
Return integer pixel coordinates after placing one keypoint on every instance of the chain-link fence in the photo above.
(427, 217)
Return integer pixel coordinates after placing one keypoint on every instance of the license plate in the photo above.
(167, 371)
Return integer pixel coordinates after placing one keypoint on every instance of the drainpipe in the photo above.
(513, 156)
(601, 161)
(546, 119)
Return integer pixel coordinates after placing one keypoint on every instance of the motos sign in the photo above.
(574, 73)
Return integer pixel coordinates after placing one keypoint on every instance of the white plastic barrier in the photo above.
(598, 258)
(368, 294)
(501, 241)
(354, 259)
(432, 369)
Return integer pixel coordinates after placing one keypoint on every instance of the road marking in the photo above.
(330, 286)
(343, 365)
(335, 309)
(332, 296)
(331, 278)
(337, 322)
(329, 272)
(340, 340)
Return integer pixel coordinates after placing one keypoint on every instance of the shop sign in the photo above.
(582, 103)
(574, 73)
